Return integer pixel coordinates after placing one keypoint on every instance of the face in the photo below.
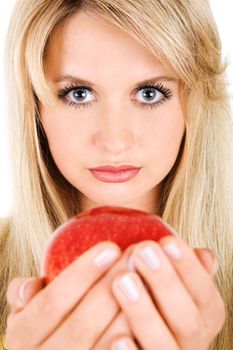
(113, 117)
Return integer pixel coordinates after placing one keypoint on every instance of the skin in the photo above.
(184, 310)
(114, 129)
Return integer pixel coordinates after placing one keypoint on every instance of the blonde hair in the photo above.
(196, 194)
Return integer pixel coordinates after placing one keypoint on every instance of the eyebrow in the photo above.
(77, 80)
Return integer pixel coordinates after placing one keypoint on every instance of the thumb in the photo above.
(21, 291)
(208, 260)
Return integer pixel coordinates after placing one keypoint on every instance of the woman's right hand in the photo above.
(72, 311)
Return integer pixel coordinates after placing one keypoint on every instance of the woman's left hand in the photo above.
(172, 303)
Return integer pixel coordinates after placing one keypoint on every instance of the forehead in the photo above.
(89, 43)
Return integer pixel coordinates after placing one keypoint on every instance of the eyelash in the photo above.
(167, 94)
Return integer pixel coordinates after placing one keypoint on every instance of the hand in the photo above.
(120, 324)
(69, 313)
(171, 306)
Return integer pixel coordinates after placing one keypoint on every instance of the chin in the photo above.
(115, 199)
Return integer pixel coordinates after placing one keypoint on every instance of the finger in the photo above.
(98, 301)
(56, 301)
(123, 343)
(190, 270)
(208, 260)
(21, 290)
(199, 284)
(182, 289)
(13, 289)
(118, 326)
(145, 320)
(171, 297)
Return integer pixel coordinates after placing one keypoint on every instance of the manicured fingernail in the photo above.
(128, 286)
(22, 289)
(149, 257)
(120, 345)
(172, 250)
(22, 293)
(210, 257)
(106, 257)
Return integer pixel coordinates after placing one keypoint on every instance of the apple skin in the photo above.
(124, 226)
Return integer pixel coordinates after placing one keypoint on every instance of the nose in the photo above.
(115, 135)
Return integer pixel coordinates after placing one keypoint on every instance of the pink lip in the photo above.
(115, 174)
(114, 168)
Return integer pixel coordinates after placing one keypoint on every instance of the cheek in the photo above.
(171, 138)
(65, 147)
(165, 140)
(62, 137)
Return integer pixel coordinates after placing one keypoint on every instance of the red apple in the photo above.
(124, 226)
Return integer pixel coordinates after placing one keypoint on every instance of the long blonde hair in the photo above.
(196, 194)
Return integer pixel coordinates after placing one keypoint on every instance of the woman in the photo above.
(119, 83)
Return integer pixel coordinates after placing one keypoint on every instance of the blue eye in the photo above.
(152, 95)
(75, 96)
(80, 94)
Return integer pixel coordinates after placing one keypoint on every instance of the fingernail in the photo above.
(150, 257)
(172, 250)
(120, 345)
(128, 286)
(209, 255)
(106, 257)
(211, 259)
(22, 292)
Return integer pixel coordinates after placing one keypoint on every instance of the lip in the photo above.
(115, 174)
(114, 168)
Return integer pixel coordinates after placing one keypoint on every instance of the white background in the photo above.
(223, 15)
